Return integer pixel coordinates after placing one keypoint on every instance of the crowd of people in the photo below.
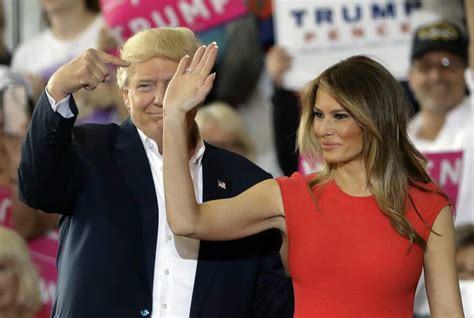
(143, 163)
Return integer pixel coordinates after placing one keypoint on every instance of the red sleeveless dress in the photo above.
(345, 258)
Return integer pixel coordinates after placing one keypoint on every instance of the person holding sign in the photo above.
(117, 254)
(285, 110)
(358, 232)
(442, 129)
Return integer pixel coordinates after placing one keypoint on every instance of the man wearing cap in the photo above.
(444, 122)
(442, 129)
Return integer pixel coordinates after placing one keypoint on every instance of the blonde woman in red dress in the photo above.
(360, 231)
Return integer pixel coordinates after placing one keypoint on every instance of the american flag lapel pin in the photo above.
(221, 184)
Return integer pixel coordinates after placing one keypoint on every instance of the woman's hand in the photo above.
(191, 83)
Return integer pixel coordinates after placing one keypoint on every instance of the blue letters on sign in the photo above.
(354, 12)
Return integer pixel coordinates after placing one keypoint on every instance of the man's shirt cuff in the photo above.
(62, 107)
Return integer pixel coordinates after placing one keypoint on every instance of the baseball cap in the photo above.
(441, 35)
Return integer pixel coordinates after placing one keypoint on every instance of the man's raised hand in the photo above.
(85, 71)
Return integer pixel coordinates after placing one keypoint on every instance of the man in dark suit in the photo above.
(117, 255)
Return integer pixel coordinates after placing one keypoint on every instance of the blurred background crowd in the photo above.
(266, 49)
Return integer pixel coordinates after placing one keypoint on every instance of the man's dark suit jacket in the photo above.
(98, 177)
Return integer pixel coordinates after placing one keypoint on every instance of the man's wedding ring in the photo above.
(189, 70)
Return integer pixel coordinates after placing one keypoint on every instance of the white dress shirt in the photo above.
(176, 256)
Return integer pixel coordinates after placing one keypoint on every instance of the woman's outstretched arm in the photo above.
(441, 278)
(255, 210)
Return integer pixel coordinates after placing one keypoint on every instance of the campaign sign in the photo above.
(446, 168)
(43, 251)
(320, 33)
(127, 17)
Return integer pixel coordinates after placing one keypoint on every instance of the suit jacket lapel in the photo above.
(136, 173)
(214, 187)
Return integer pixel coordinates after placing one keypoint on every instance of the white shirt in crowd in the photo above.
(456, 134)
(44, 54)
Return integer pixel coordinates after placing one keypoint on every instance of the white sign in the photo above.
(318, 34)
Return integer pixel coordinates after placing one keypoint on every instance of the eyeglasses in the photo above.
(445, 65)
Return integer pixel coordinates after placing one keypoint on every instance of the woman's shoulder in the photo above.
(426, 189)
(298, 177)
(295, 186)
(295, 179)
(428, 199)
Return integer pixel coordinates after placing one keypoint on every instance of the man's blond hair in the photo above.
(168, 43)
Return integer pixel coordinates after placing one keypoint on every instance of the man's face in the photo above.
(144, 94)
(437, 80)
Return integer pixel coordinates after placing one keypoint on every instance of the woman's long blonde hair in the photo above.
(377, 102)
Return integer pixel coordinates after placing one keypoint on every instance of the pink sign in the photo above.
(127, 17)
(446, 169)
(43, 251)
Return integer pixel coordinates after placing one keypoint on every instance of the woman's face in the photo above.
(338, 133)
(9, 285)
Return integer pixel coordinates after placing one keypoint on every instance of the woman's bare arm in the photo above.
(441, 278)
(253, 211)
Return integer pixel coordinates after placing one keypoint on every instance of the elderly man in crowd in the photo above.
(117, 254)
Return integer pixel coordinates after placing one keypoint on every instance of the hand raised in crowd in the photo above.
(85, 71)
(191, 84)
(278, 61)
(106, 42)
